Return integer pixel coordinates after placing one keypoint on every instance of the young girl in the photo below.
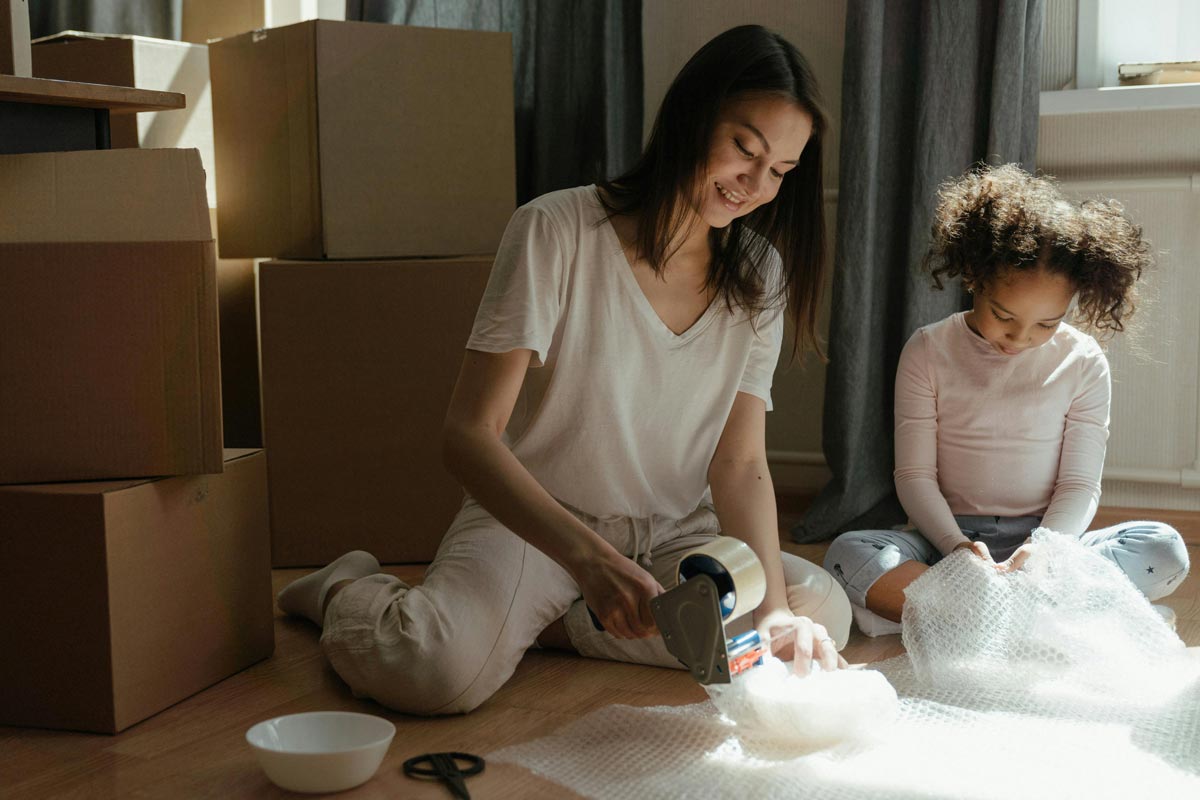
(610, 411)
(1002, 411)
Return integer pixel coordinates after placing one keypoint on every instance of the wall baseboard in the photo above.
(800, 479)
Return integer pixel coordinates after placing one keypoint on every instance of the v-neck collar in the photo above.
(630, 282)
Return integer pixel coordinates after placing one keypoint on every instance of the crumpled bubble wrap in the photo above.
(821, 710)
(1058, 681)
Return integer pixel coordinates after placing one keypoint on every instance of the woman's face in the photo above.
(757, 141)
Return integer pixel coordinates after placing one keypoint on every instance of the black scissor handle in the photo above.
(444, 765)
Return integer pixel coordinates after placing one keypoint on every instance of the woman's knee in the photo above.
(425, 678)
(812, 592)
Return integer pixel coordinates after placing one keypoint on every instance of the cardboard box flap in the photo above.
(104, 196)
(236, 453)
(74, 36)
(230, 455)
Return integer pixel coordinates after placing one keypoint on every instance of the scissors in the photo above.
(445, 767)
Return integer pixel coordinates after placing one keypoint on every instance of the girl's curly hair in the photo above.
(995, 219)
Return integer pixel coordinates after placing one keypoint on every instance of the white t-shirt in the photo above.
(623, 416)
(982, 434)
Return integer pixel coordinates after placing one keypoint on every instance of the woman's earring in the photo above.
(970, 290)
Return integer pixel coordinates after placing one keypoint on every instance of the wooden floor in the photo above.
(197, 748)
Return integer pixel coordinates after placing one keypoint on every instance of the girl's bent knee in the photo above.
(826, 604)
(1152, 554)
(838, 549)
(1166, 553)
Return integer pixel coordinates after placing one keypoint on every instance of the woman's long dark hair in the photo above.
(664, 185)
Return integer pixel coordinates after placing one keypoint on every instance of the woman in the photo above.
(620, 366)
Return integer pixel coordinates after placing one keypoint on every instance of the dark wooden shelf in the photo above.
(117, 99)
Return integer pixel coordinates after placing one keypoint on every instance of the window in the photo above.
(1112, 32)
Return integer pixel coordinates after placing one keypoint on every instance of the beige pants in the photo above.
(447, 645)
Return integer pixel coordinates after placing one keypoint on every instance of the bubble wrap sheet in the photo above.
(1058, 681)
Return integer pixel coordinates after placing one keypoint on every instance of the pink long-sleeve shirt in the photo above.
(982, 433)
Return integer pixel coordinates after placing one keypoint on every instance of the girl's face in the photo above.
(757, 141)
(1021, 309)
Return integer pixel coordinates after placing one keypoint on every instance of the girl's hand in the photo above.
(618, 592)
(1018, 558)
(978, 549)
(809, 643)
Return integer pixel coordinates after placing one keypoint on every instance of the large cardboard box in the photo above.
(216, 19)
(123, 598)
(144, 63)
(109, 362)
(363, 140)
(358, 363)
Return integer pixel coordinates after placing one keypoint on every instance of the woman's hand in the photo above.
(809, 642)
(977, 549)
(618, 592)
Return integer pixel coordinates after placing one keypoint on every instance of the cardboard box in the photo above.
(14, 38)
(216, 19)
(363, 140)
(241, 409)
(123, 598)
(358, 363)
(109, 362)
(144, 63)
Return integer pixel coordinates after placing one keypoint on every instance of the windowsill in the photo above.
(1120, 98)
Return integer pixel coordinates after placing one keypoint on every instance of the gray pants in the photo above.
(1152, 554)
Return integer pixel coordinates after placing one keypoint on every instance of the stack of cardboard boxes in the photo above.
(125, 591)
(379, 161)
(130, 590)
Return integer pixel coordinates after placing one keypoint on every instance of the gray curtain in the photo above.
(929, 88)
(577, 74)
(161, 19)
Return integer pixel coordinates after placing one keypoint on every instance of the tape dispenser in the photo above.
(718, 582)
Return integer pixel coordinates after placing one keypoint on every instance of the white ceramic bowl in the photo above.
(321, 751)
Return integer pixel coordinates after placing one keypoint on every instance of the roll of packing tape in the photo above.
(737, 572)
